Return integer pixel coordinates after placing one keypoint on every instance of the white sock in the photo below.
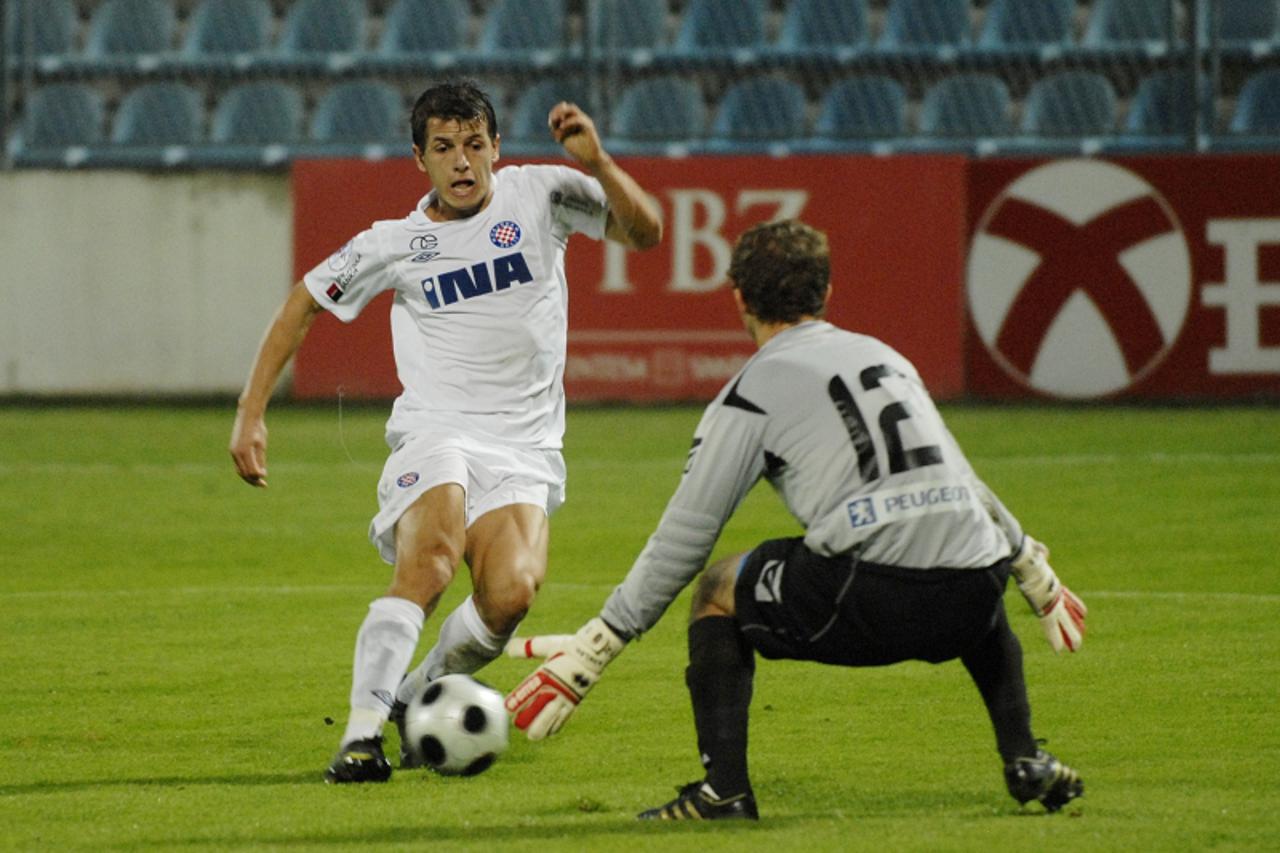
(384, 649)
(465, 645)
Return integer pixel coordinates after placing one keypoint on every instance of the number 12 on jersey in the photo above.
(889, 422)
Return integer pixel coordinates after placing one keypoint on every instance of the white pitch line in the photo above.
(374, 585)
(146, 592)
(1117, 458)
(169, 468)
(1171, 595)
(159, 469)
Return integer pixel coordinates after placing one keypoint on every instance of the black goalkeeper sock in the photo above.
(721, 667)
(995, 665)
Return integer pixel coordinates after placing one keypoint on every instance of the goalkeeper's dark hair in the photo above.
(782, 270)
(462, 100)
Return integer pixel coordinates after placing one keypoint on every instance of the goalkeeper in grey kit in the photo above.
(905, 556)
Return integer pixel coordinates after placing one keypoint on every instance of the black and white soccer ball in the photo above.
(457, 726)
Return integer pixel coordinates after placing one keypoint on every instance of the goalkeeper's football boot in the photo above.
(698, 801)
(1044, 778)
(359, 761)
(408, 759)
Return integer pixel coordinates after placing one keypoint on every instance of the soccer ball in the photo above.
(456, 726)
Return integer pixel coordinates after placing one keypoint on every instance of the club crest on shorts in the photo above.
(404, 481)
(505, 234)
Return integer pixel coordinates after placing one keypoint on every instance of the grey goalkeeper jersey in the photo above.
(842, 427)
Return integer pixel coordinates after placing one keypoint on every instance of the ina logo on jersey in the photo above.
(477, 280)
(482, 278)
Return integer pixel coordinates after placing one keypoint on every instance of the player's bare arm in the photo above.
(634, 220)
(282, 339)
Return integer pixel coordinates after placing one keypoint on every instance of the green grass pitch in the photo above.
(176, 648)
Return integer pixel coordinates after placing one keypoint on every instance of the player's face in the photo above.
(458, 158)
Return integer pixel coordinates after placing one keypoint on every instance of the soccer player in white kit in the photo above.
(478, 325)
(905, 555)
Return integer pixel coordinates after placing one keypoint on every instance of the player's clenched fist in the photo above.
(249, 448)
(542, 702)
(573, 128)
(1060, 611)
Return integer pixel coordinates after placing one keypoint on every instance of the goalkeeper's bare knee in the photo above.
(713, 595)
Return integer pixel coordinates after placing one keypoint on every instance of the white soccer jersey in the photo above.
(480, 314)
(843, 428)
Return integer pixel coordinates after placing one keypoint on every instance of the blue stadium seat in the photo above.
(262, 113)
(759, 112)
(430, 32)
(128, 29)
(156, 124)
(322, 34)
(255, 124)
(824, 29)
(1043, 26)
(720, 30)
(866, 107)
(1163, 106)
(1070, 104)
(660, 113)
(63, 114)
(1146, 25)
(527, 128)
(1250, 24)
(1257, 110)
(363, 118)
(159, 114)
(227, 32)
(928, 27)
(53, 27)
(967, 106)
(59, 121)
(635, 30)
(523, 33)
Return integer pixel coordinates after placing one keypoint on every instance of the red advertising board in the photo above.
(660, 325)
(1137, 278)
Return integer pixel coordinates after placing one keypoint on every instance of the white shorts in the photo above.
(491, 475)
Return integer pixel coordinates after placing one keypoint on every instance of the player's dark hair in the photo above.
(461, 100)
(782, 270)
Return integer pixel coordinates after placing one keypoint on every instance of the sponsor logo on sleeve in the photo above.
(343, 258)
(338, 287)
(575, 203)
(404, 481)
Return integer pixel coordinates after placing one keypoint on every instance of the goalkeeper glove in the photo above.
(1060, 612)
(542, 703)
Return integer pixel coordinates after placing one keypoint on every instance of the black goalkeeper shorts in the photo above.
(795, 604)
